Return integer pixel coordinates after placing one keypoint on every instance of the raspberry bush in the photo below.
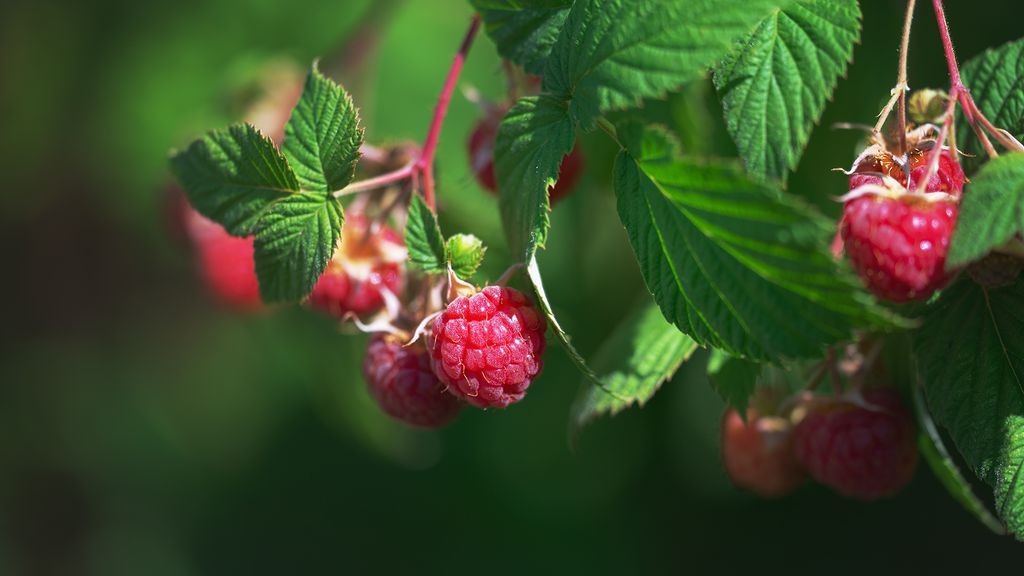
(735, 259)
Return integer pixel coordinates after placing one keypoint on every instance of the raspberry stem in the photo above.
(902, 79)
(422, 165)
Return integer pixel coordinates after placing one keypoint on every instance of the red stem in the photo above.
(902, 78)
(377, 181)
(956, 84)
(425, 163)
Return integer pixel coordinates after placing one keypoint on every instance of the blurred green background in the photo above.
(144, 430)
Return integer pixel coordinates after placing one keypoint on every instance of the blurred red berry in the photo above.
(759, 455)
(225, 262)
(401, 381)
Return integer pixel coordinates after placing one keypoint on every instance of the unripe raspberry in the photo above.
(368, 262)
(401, 381)
(481, 159)
(759, 455)
(488, 347)
(225, 262)
(860, 452)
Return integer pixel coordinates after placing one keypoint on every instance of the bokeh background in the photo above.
(145, 430)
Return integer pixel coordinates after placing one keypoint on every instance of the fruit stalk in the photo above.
(425, 163)
(902, 79)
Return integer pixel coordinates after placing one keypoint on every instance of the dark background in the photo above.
(144, 430)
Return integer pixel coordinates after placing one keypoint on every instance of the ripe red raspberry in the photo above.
(759, 455)
(225, 262)
(899, 245)
(401, 381)
(860, 452)
(488, 347)
(367, 262)
(481, 159)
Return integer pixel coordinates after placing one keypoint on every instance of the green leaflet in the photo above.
(423, 238)
(991, 212)
(970, 356)
(734, 379)
(525, 36)
(733, 263)
(643, 352)
(296, 239)
(322, 137)
(532, 139)
(232, 175)
(775, 84)
(613, 53)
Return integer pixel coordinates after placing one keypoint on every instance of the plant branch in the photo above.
(377, 181)
(425, 163)
(902, 79)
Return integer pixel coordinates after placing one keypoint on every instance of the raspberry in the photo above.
(401, 381)
(860, 452)
(226, 263)
(487, 347)
(898, 242)
(481, 159)
(758, 454)
(898, 246)
(366, 263)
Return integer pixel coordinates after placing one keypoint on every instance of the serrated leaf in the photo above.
(775, 84)
(232, 175)
(733, 263)
(525, 36)
(991, 213)
(613, 53)
(641, 353)
(465, 254)
(995, 79)
(323, 136)
(970, 353)
(733, 378)
(532, 139)
(933, 448)
(423, 238)
(295, 240)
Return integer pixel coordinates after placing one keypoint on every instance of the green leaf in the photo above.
(232, 175)
(642, 353)
(933, 448)
(731, 262)
(423, 238)
(525, 36)
(774, 86)
(532, 140)
(322, 137)
(992, 213)
(296, 238)
(970, 353)
(466, 254)
(613, 53)
(733, 378)
(995, 78)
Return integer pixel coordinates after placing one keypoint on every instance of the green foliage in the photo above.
(465, 254)
(296, 238)
(991, 213)
(643, 352)
(423, 238)
(513, 5)
(734, 379)
(525, 36)
(231, 176)
(994, 78)
(971, 360)
(733, 263)
(775, 85)
(532, 139)
(933, 448)
(613, 53)
(237, 178)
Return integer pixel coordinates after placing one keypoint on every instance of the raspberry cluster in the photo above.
(862, 447)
